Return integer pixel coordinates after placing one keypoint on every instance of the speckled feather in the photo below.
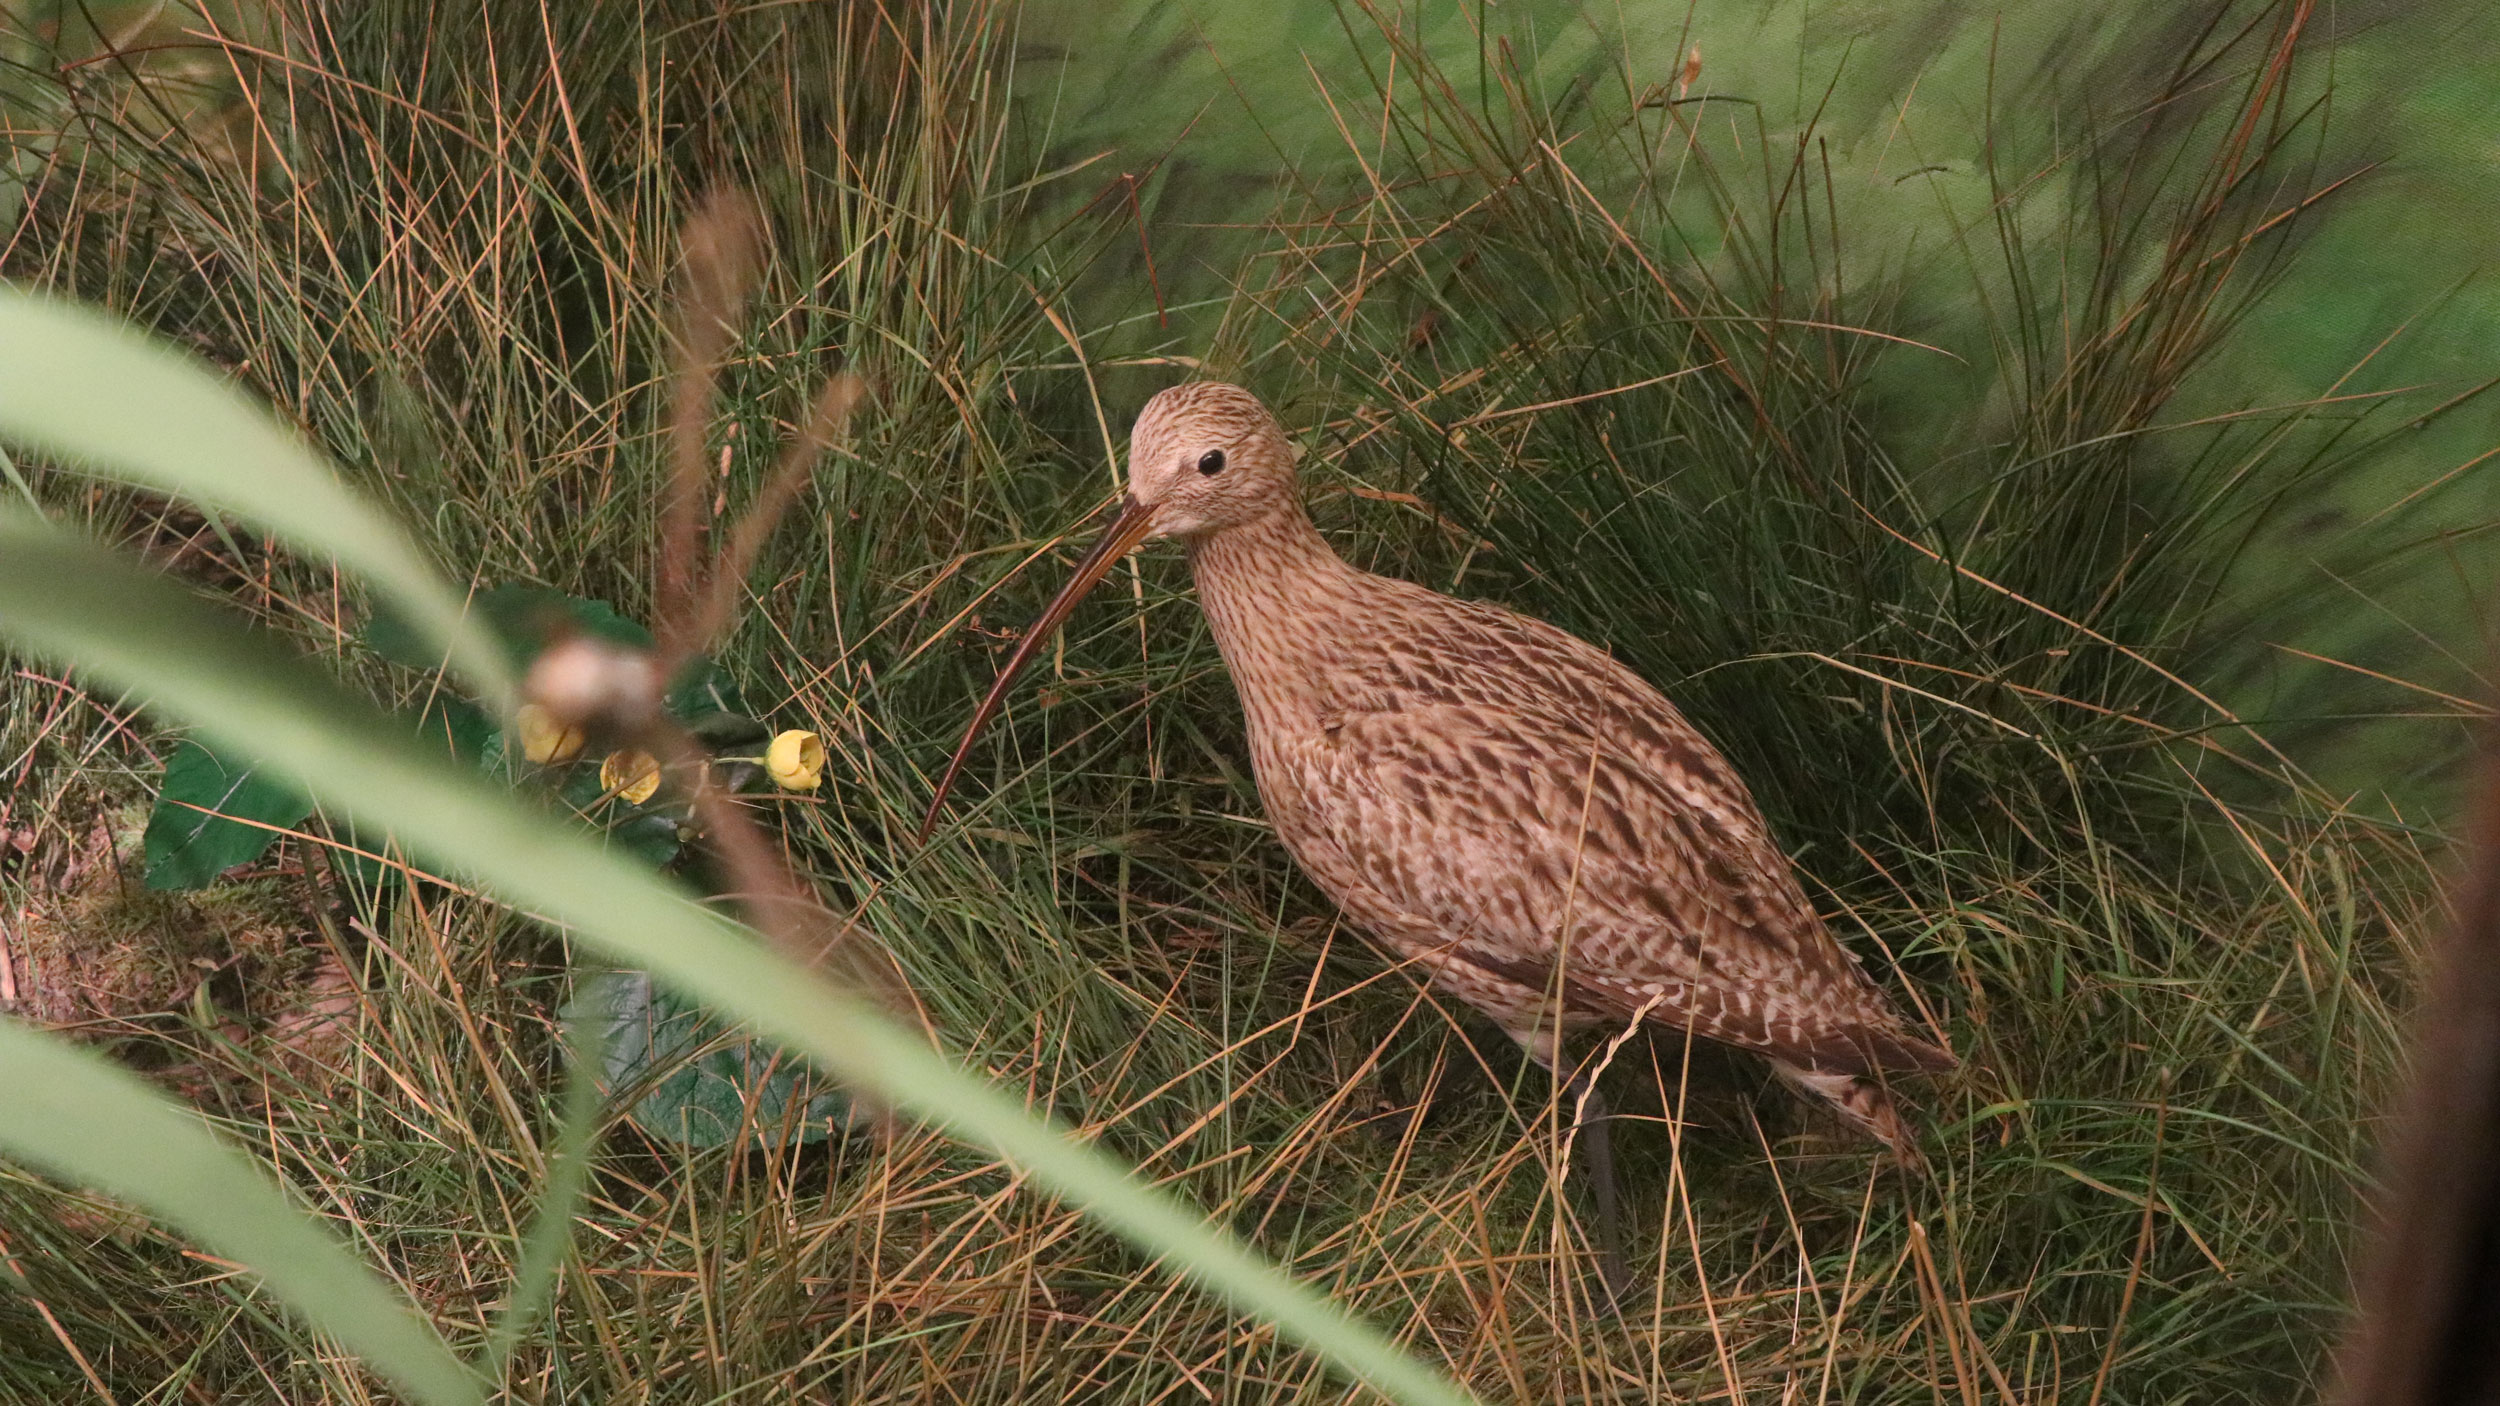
(1503, 804)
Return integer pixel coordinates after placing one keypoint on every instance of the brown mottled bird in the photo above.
(1503, 805)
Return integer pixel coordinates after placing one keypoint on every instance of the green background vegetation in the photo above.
(2035, 426)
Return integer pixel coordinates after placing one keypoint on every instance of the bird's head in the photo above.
(1203, 459)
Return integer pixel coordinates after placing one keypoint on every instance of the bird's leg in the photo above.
(1592, 1138)
(1592, 1135)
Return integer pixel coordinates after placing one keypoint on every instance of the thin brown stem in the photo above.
(721, 243)
(717, 599)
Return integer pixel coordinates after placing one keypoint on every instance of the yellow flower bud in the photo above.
(545, 740)
(632, 776)
(796, 760)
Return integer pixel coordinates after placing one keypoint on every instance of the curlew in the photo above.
(1499, 803)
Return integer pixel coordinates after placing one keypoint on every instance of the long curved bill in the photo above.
(1121, 538)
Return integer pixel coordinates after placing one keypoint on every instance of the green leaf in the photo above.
(198, 829)
(459, 727)
(72, 1113)
(63, 596)
(706, 699)
(724, 730)
(77, 383)
(700, 688)
(692, 1080)
(652, 838)
(523, 618)
(530, 615)
(527, 618)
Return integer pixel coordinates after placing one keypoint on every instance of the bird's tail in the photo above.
(1863, 1104)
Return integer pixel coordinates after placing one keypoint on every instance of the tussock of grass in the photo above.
(1602, 357)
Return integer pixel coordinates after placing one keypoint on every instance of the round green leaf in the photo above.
(199, 828)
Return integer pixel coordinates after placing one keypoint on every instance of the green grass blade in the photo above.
(89, 1122)
(80, 384)
(550, 1239)
(72, 599)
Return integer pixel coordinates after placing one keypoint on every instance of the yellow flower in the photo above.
(796, 760)
(633, 776)
(544, 740)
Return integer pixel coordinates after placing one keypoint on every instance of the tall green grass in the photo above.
(1551, 335)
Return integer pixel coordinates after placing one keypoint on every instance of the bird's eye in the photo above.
(1211, 462)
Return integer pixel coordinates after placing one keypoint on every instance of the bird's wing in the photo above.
(1526, 836)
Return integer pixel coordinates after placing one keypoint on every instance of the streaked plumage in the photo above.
(1497, 801)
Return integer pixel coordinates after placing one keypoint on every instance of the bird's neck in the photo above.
(1271, 589)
